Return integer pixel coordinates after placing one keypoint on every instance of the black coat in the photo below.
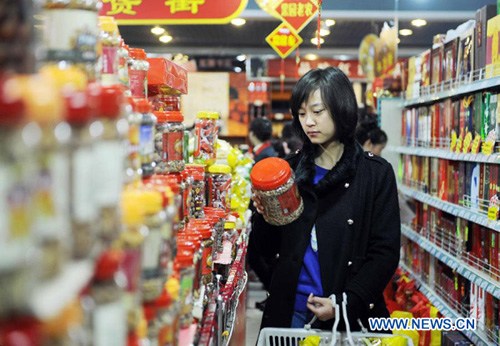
(355, 209)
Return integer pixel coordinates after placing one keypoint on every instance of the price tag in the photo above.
(493, 212)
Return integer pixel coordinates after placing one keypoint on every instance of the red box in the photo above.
(166, 77)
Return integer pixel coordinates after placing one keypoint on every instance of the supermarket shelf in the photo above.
(435, 94)
(462, 212)
(49, 298)
(476, 336)
(446, 154)
(464, 269)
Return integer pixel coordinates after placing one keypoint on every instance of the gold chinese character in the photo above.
(293, 10)
(122, 6)
(284, 10)
(300, 10)
(292, 41)
(309, 9)
(184, 5)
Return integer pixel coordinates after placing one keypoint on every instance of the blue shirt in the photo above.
(310, 276)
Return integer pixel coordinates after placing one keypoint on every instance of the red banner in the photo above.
(141, 12)
(297, 13)
(284, 40)
(351, 68)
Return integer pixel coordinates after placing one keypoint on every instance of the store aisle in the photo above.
(256, 293)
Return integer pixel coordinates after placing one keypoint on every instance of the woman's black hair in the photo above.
(368, 129)
(338, 96)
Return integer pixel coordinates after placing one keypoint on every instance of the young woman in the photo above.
(370, 136)
(347, 239)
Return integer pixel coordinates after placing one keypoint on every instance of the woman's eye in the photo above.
(318, 111)
(302, 114)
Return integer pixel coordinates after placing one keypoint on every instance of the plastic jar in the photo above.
(197, 172)
(110, 40)
(206, 131)
(217, 217)
(184, 266)
(83, 208)
(273, 181)
(138, 73)
(219, 186)
(108, 312)
(146, 137)
(207, 241)
(109, 159)
(169, 142)
(70, 32)
(166, 315)
(154, 219)
(124, 63)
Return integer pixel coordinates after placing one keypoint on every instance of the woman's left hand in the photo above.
(321, 307)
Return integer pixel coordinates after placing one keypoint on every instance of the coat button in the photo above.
(350, 221)
(349, 263)
(370, 154)
(371, 306)
(346, 185)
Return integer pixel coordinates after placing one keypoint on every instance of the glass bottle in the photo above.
(169, 142)
(138, 73)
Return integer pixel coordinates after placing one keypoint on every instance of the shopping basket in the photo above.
(293, 336)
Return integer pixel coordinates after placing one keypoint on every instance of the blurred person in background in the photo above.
(260, 133)
(370, 135)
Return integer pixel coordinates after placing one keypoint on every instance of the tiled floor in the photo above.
(255, 294)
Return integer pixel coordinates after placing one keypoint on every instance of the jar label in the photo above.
(151, 250)
(110, 324)
(206, 137)
(83, 204)
(109, 158)
(110, 60)
(173, 146)
(206, 261)
(131, 265)
(147, 144)
(71, 34)
(289, 200)
(138, 83)
(218, 191)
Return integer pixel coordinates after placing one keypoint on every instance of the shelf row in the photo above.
(453, 91)
(446, 154)
(450, 208)
(464, 269)
(477, 336)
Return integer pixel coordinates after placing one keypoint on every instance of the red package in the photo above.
(166, 77)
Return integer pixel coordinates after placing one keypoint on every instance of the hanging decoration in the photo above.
(318, 36)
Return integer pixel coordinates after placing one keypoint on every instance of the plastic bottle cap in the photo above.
(142, 106)
(207, 115)
(219, 169)
(137, 53)
(109, 26)
(170, 116)
(107, 264)
(270, 173)
(132, 212)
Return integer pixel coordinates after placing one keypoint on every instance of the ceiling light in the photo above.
(418, 22)
(406, 32)
(237, 69)
(241, 57)
(158, 30)
(238, 21)
(330, 22)
(311, 57)
(314, 40)
(165, 38)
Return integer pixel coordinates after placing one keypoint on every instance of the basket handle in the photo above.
(337, 319)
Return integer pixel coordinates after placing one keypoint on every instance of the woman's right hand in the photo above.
(257, 203)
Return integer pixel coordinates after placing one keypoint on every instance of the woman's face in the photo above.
(316, 120)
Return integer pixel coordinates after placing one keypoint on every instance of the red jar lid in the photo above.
(170, 116)
(78, 110)
(202, 226)
(137, 53)
(270, 173)
(214, 212)
(142, 106)
(108, 264)
(196, 171)
(11, 103)
(111, 102)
